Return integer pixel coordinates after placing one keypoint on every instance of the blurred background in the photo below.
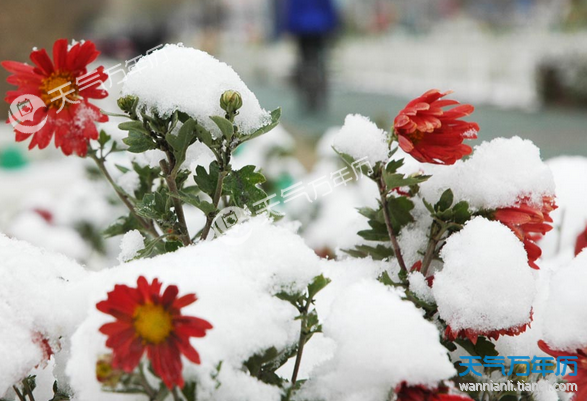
(522, 63)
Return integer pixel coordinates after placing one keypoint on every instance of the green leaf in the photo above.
(147, 176)
(445, 201)
(189, 391)
(180, 142)
(393, 165)
(152, 206)
(379, 252)
(291, 298)
(483, 348)
(461, 212)
(275, 116)
(225, 126)
(138, 142)
(122, 169)
(386, 280)
(372, 214)
(399, 212)
(152, 247)
(193, 200)
(205, 180)
(133, 126)
(121, 226)
(243, 186)
(428, 205)
(372, 235)
(204, 135)
(399, 180)
(183, 117)
(103, 138)
(317, 285)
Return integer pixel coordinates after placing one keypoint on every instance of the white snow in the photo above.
(570, 218)
(360, 138)
(131, 244)
(565, 320)
(498, 174)
(486, 283)
(234, 284)
(381, 341)
(419, 286)
(37, 300)
(182, 78)
(129, 182)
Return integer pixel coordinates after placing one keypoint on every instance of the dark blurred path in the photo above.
(554, 131)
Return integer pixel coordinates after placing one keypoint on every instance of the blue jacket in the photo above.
(310, 16)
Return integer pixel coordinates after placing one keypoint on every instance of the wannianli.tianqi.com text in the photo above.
(519, 386)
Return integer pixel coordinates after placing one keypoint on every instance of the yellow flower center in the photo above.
(153, 323)
(416, 136)
(59, 90)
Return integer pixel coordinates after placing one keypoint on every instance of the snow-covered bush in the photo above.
(213, 299)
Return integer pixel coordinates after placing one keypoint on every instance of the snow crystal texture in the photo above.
(359, 138)
(565, 320)
(486, 283)
(496, 175)
(190, 80)
(381, 341)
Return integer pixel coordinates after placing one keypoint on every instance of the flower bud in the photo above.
(106, 373)
(231, 101)
(128, 104)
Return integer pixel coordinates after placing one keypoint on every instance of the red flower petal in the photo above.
(42, 61)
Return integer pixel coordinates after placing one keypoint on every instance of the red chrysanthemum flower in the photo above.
(580, 376)
(65, 87)
(431, 134)
(472, 335)
(529, 223)
(147, 320)
(405, 392)
(581, 242)
(45, 346)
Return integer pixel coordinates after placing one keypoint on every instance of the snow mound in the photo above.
(235, 283)
(380, 342)
(130, 246)
(190, 80)
(496, 175)
(571, 197)
(360, 138)
(37, 303)
(486, 283)
(565, 320)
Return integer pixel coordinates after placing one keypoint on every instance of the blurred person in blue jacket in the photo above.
(311, 22)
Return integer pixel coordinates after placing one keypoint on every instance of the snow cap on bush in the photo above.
(381, 341)
(485, 284)
(189, 80)
(565, 317)
(359, 138)
(498, 174)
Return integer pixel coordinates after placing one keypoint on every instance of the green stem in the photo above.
(176, 396)
(147, 225)
(392, 238)
(436, 233)
(27, 390)
(170, 177)
(18, 394)
(150, 391)
(301, 344)
(215, 202)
